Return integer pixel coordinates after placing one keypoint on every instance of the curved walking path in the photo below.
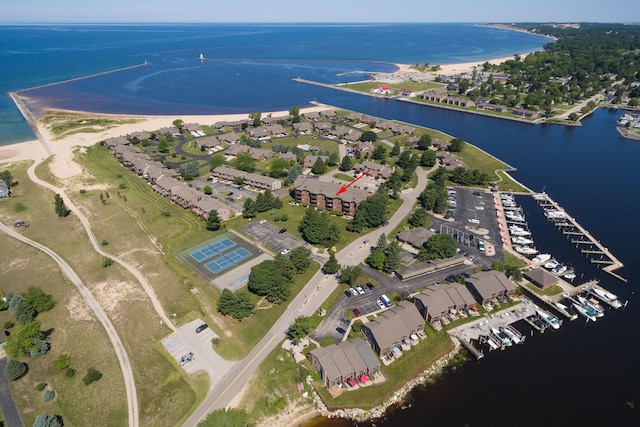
(98, 311)
(308, 300)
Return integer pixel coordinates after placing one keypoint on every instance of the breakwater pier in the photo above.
(588, 245)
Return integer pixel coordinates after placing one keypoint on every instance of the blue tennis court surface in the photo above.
(224, 261)
(212, 249)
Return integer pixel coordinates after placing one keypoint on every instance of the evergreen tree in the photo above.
(294, 172)
(331, 266)
(396, 149)
(346, 164)
(299, 328)
(319, 167)
(334, 158)
(380, 152)
(404, 158)
(60, 207)
(424, 142)
(191, 171)
(428, 158)
(301, 258)
(213, 220)
(392, 257)
(248, 209)
(317, 228)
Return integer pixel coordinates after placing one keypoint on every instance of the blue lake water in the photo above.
(583, 375)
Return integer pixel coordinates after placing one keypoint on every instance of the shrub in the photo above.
(83, 191)
(92, 375)
(39, 348)
(15, 370)
(106, 262)
(48, 421)
(48, 396)
(69, 372)
(41, 386)
(104, 243)
(62, 362)
(165, 213)
(8, 325)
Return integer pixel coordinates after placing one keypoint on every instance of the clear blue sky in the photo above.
(52, 11)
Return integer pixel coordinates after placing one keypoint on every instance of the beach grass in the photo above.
(63, 123)
(414, 86)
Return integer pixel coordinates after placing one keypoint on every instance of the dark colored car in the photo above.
(347, 293)
(340, 330)
(451, 278)
(201, 328)
(385, 223)
(344, 320)
(357, 312)
(282, 230)
(370, 286)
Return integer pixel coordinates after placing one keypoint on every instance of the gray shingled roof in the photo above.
(394, 324)
(329, 189)
(490, 283)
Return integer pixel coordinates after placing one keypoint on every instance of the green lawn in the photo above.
(512, 260)
(550, 291)
(343, 177)
(415, 86)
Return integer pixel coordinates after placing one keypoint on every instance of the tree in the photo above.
(404, 159)
(207, 190)
(382, 242)
(376, 259)
(317, 228)
(177, 123)
(91, 376)
(249, 209)
(267, 280)
(440, 246)
(39, 299)
(213, 220)
(333, 159)
(456, 145)
(48, 421)
(24, 312)
(191, 171)
(62, 362)
(295, 113)
(39, 347)
(7, 177)
(424, 142)
(371, 213)
(350, 274)
(301, 258)
(216, 160)
(245, 162)
(15, 369)
(331, 266)
(396, 149)
(237, 305)
(392, 257)
(163, 145)
(299, 328)
(19, 343)
(257, 118)
(226, 418)
(419, 218)
(11, 302)
(285, 266)
(513, 272)
(319, 167)
(60, 207)
(294, 172)
(380, 152)
(346, 164)
(369, 135)
(428, 158)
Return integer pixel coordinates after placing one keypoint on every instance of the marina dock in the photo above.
(591, 247)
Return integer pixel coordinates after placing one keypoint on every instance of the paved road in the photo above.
(8, 406)
(94, 305)
(305, 303)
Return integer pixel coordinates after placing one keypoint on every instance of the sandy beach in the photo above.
(63, 165)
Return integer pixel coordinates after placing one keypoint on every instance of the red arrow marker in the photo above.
(344, 187)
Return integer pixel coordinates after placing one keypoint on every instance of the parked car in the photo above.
(353, 292)
(370, 286)
(344, 320)
(186, 359)
(474, 221)
(201, 328)
(285, 251)
(262, 221)
(360, 290)
(385, 223)
(380, 304)
(357, 312)
(348, 293)
(450, 278)
(282, 230)
(472, 258)
(340, 330)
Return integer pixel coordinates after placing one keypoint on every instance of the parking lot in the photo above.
(270, 235)
(186, 340)
(222, 190)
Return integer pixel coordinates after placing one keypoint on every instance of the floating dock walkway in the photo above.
(592, 248)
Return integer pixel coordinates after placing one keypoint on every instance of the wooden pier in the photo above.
(466, 344)
(571, 228)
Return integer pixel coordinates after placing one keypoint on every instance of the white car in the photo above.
(353, 292)
(262, 221)
(480, 208)
(380, 304)
(360, 290)
(474, 221)
(285, 251)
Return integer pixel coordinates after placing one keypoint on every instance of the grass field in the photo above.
(62, 123)
(415, 86)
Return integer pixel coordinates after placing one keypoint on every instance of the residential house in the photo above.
(164, 183)
(311, 115)
(377, 170)
(183, 195)
(276, 130)
(119, 150)
(346, 363)
(207, 143)
(257, 154)
(330, 114)
(541, 278)
(311, 160)
(205, 204)
(389, 330)
(251, 179)
(322, 126)
(415, 237)
(525, 113)
(272, 120)
(424, 268)
(324, 195)
(171, 130)
(436, 301)
(229, 138)
(136, 137)
(115, 141)
(192, 127)
(407, 92)
(288, 156)
(380, 90)
(450, 161)
(365, 148)
(302, 128)
(258, 132)
(489, 286)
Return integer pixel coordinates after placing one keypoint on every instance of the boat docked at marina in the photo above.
(501, 336)
(541, 258)
(520, 232)
(548, 318)
(525, 250)
(512, 336)
(521, 240)
(514, 217)
(608, 297)
(559, 269)
(583, 311)
(570, 276)
(551, 264)
(591, 304)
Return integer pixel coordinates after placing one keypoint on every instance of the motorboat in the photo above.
(502, 337)
(548, 318)
(512, 336)
(570, 276)
(514, 216)
(520, 240)
(607, 297)
(541, 258)
(583, 311)
(520, 232)
(551, 264)
(559, 269)
(593, 305)
(525, 250)
(555, 214)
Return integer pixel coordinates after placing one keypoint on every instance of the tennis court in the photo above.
(212, 249)
(226, 260)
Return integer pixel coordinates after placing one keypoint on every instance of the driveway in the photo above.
(185, 339)
(8, 406)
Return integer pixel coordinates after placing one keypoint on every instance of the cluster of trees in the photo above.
(299, 328)
(469, 177)
(434, 196)
(419, 218)
(60, 207)
(264, 202)
(349, 274)
(509, 270)
(191, 171)
(7, 177)
(318, 228)
(385, 256)
(371, 213)
(27, 339)
(440, 246)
